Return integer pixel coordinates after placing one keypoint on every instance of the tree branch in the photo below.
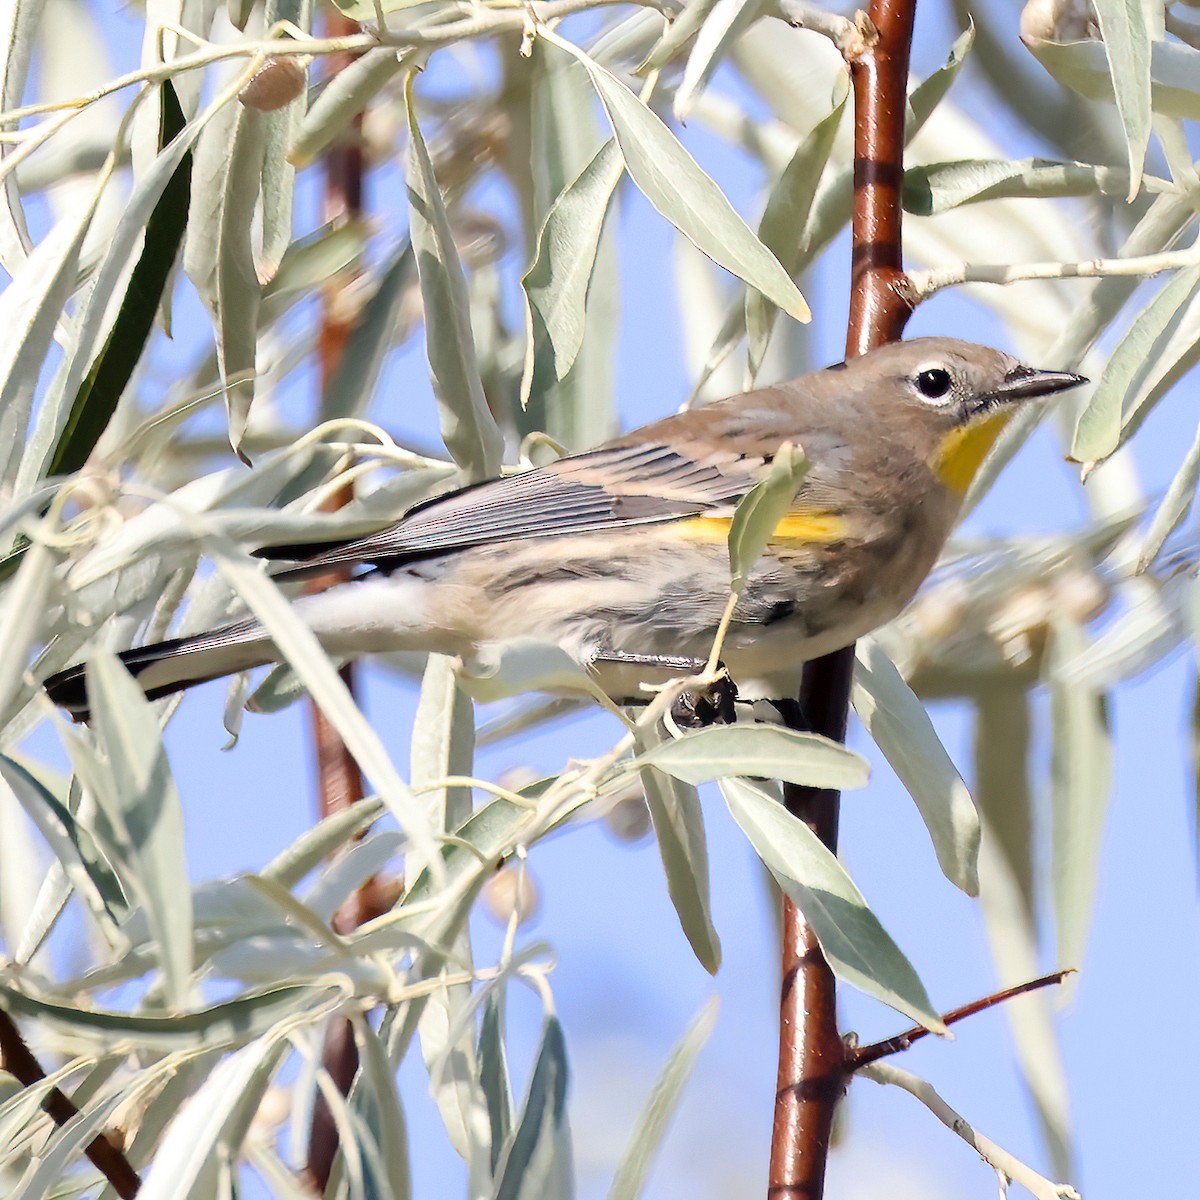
(812, 1063)
(17, 1059)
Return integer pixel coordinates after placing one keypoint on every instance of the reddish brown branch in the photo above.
(812, 1065)
(860, 1056)
(107, 1157)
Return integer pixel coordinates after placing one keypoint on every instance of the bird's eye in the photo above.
(934, 383)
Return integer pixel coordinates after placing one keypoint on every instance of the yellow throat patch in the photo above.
(964, 449)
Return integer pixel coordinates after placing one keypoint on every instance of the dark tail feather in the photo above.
(172, 666)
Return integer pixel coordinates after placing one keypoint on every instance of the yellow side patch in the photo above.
(964, 449)
(804, 526)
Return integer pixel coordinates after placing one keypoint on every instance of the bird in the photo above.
(619, 554)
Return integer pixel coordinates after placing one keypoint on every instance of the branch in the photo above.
(851, 37)
(995, 1156)
(813, 1072)
(862, 1056)
(923, 284)
(107, 1157)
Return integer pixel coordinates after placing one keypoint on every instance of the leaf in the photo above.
(519, 665)
(218, 256)
(493, 1078)
(651, 1124)
(932, 188)
(678, 33)
(1125, 33)
(1098, 432)
(1174, 506)
(770, 751)
(538, 1165)
(144, 814)
(722, 26)
(901, 728)
(383, 1110)
(678, 821)
(1083, 67)
(1080, 781)
(673, 182)
(19, 22)
(761, 509)
(468, 427)
(787, 210)
(855, 945)
(556, 285)
(96, 400)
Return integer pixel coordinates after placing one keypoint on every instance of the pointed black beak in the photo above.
(1023, 383)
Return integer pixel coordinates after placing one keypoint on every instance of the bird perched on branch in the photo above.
(620, 554)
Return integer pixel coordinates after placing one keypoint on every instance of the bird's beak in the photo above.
(1023, 383)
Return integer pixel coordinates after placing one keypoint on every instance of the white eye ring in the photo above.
(934, 384)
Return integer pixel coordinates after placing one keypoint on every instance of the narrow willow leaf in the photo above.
(671, 180)
(19, 22)
(761, 509)
(30, 308)
(931, 91)
(787, 210)
(1080, 779)
(1083, 67)
(314, 845)
(493, 1078)
(556, 285)
(230, 1023)
(538, 1165)
(352, 384)
(678, 821)
(65, 1147)
(219, 258)
(932, 188)
(901, 728)
(722, 26)
(855, 944)
(651, 1124)
(677, 34)
(383, 1111)
(145, 815)
(725, 751)
(1125, 33)
(468, 427)
(1173, 507)
(521, 665)
(1098, 432)
(443, 742)
(95, 402)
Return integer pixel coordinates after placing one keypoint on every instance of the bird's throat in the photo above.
(963, 450)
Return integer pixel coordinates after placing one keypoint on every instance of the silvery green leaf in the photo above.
(1098, 432)
(1174, 506)
(630, 1176)
(677, 34)
(443, 742)
(672, 181)
(493, 1077)
(521, 665)
(30, 308)
(24, 608)
(383, 1112)
(352, 384)
(311, 261)
(1083, 67)
(931, 91)
(725, 751)
(901, 728)
(19, 22)
(538, 1164)
(218, 256)
(556, 285)
(342, 98)
(1125, 32)
(722, 26)
(65, 1146)
(278, 184)
(761, 509)
(856, 946)
(1080, 781)
(787, 209)
(146, 821)
(314, 845)
(678, 821)
(937, 187)
(468, 427)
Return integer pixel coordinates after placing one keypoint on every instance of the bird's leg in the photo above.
(694, 709)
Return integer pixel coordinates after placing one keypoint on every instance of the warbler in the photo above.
(620, 554)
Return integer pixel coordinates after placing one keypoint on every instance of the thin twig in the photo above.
(18, 1060)
(812, 1074)
(995, 1156)
(862, 1056)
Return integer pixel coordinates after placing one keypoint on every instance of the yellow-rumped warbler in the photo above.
(620, 554)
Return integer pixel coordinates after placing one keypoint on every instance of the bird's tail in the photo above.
(174, 665)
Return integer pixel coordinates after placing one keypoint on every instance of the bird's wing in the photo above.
(617, 485)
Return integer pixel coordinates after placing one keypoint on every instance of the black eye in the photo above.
(934, 382)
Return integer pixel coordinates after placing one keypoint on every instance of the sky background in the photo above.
(626, 984)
